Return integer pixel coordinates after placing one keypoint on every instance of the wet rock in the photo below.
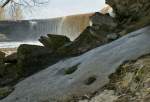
(54, 41)
(53, 85)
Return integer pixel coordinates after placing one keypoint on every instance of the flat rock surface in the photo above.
(88, 72)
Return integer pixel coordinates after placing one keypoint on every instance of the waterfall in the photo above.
(23, 30)
(72, 26)
(31, 30)
(43, 27)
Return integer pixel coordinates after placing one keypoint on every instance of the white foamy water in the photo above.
(16, 44)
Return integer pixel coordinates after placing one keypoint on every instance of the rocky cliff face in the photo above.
(130, 8)
(131, 14)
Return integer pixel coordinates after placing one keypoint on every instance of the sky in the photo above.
(57, 8)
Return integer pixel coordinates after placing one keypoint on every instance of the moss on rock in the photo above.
(5, 91)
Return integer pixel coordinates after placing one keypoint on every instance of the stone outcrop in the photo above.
(83, 75)
(32, 58)
(5, 91)
(2, 56)
(130, 83)
(54, 41)
(130, 15)
(8, 70)
(93, 36)
(17, 66)
(103, 22)
(87, 40)
(57, 47)
(127, 8)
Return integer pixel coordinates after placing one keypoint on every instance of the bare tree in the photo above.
(15, 7)
(23, 2)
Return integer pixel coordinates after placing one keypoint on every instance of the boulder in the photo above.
(103, 22)
(131, 80)
(8, 72)
(86, 41)
(32, 58)
(5, 91)
(83, 75)
(130, 14)
(12, 58)
(93, 36)
(11, 74)
(54, 41)
(130, 8)
(2, 57)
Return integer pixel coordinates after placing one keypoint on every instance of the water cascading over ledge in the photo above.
(70, 26)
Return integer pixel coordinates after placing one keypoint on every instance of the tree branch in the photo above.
(5, 3)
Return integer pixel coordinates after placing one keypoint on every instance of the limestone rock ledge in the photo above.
(130, 8)
(83, 75)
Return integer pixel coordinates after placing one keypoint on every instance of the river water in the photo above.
(15, 44)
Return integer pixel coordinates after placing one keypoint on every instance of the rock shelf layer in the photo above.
(82, 75)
